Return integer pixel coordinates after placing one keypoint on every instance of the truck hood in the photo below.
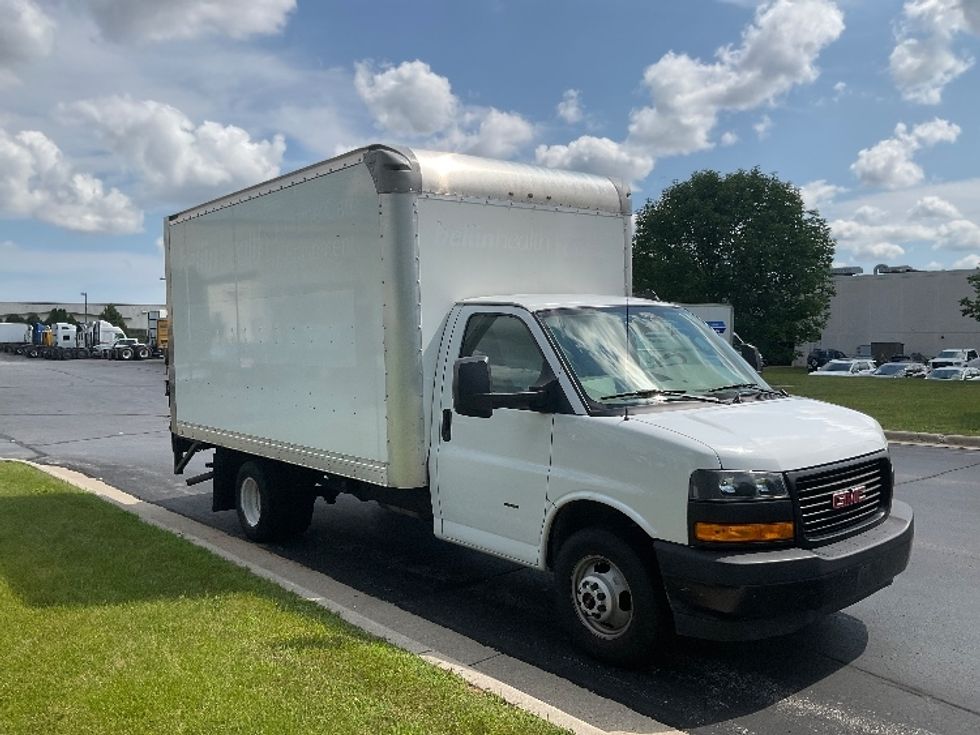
(775, 435)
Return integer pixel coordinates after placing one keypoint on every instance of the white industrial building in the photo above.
(136, 315)
(917, 309)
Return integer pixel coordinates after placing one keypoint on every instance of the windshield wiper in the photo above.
(738, 386)
(670, 395)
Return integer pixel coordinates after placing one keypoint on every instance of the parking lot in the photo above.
(901, 662)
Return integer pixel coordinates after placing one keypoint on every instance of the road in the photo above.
(904, 662)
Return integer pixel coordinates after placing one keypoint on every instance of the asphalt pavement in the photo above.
(902, 662)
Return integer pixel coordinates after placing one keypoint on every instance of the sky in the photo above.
(117, 113)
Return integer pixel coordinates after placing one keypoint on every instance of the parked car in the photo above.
(820, 357)
(955, 373)
(846, 368)
(901, 370)
(953, 358)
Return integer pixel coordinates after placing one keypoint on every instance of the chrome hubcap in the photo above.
(603, 599)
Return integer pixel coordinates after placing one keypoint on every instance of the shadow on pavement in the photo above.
(509, 608)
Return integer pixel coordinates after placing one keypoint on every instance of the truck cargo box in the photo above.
(305, 311)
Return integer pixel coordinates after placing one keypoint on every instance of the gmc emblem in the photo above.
(849, 497)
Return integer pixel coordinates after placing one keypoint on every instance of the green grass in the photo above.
(900, 404)
(108, 625)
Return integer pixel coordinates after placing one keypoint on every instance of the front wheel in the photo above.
(611, 600)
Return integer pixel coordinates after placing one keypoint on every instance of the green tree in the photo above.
(59, 314)
(745, 239)
(111, 314)
(971, 307)
(15, 319)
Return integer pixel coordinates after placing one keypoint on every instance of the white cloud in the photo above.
(37, 182)
(871, 231)
(857, 232)
(596, 155)
(889, 162)
(26, 34)
(151, 20)
(868, 214)
(959, 234)
(819, 193)
(970, 261)
(172, 155)
(924, 60)
(927, 221)
(570, 107)
(498, 134)
(408, 99)
(778, 52)
(728, 138)
(876, 250)
(933, 207)
(763, 127)
(412, 100)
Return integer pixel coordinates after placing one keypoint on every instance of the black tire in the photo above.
(610, 599)
(126, 353)
(142, 353)
(268, 509)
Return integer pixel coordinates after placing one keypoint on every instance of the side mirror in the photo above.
(471, 387)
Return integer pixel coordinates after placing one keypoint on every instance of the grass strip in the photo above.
(109, 625)
(900, 404)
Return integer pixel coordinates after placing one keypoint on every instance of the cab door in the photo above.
(491, 474)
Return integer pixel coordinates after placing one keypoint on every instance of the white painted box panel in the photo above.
(306, 312)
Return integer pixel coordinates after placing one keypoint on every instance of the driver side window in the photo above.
(516, 363)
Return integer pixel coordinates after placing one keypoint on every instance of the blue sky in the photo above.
(115, 113)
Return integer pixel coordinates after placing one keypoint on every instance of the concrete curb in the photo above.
(382, 619)
(955, 441)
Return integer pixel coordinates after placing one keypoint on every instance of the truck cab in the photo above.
(625, 446)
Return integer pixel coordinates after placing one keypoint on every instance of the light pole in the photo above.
(85, 294)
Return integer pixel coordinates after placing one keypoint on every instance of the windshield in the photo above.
(668, 350)
(837, 367)
(949, 353)
(891, 368)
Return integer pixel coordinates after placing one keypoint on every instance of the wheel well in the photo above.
(588, 514)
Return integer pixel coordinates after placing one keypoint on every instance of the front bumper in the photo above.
(757, 594)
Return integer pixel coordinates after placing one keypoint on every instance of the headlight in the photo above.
(737, 485)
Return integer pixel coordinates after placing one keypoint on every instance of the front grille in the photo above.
(815, 489)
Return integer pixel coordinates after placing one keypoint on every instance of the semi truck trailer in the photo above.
(455, 338)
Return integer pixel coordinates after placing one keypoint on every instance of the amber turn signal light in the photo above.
(743, 532)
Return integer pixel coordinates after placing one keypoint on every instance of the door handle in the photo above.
(447, 424)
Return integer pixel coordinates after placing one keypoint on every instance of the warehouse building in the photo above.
(919, 310)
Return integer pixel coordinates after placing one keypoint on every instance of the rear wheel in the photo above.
(142, 353)
(611, 599)
(126, 353)
(267, 509)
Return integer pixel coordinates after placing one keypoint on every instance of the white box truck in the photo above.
(454, 337)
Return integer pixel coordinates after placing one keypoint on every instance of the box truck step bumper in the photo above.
(752, 595)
